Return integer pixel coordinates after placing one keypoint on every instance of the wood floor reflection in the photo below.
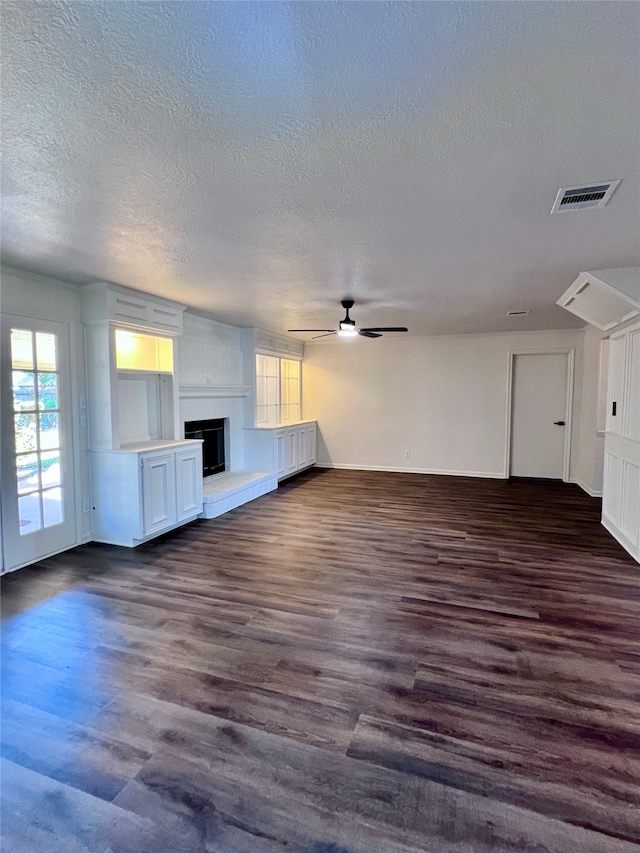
(357, 663)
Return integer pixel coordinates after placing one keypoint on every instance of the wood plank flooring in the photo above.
(357, 663)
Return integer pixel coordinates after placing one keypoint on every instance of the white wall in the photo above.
(442, 398)
(42, 298)
(209, 356)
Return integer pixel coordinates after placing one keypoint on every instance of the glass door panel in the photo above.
(37, 474)
(36, 428)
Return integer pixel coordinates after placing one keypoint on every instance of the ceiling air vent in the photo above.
(518, 313)
(582, 197)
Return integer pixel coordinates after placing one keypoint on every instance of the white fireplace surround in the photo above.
(237, 485)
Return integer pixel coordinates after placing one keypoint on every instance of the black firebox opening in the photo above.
(212, 433)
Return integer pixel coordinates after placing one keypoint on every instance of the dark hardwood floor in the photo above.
(356, 663)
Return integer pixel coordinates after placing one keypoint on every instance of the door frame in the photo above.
(8, 318)
(568, 415)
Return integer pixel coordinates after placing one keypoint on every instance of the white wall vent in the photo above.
(584, 196)
(605, 298)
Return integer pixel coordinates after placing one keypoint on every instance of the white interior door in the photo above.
(38, 505)
(538, 415)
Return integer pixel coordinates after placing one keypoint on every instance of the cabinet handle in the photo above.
(613, 409)
(559, 423)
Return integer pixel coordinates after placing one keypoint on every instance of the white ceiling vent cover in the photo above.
(584, 196)
(605, 298)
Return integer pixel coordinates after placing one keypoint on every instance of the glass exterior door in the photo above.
(38, 513)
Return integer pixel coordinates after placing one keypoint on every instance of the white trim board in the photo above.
(196, 392)
(491, 475)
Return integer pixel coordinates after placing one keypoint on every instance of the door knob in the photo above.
(559, 423)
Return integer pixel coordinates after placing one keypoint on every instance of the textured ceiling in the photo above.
(261, 161)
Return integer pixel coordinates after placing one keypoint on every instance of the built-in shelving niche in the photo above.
(145, 406)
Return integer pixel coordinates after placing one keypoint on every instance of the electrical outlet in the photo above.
(407, 454)
(86, 506)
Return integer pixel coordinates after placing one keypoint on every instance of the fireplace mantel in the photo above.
(204, 391)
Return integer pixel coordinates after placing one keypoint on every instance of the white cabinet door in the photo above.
(188, 483)
(158, 492)
(303, 446)
(615, 397)
(280, 452)
(292, 450)
(312, 442)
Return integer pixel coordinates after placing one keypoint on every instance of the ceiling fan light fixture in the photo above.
(347, 325)
(347, 332)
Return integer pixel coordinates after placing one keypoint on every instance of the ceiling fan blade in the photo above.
(311, 330)
(326, 335)
(385, 329)
(367, 333)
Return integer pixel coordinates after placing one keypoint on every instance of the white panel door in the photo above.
(158, 492)
(188, 483)
(539, 412)
(38, 491)
(615, 396)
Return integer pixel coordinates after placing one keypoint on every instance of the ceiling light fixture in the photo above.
(348, 332)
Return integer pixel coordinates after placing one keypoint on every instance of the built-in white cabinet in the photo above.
(145, 491)
(306, 445)
(286, 450)
(621, 487)
(144, 478)
(131, 358)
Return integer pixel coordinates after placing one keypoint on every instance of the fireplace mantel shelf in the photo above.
(203, 391)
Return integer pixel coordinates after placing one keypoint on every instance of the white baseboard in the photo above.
(347, 467)
(593, 493)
